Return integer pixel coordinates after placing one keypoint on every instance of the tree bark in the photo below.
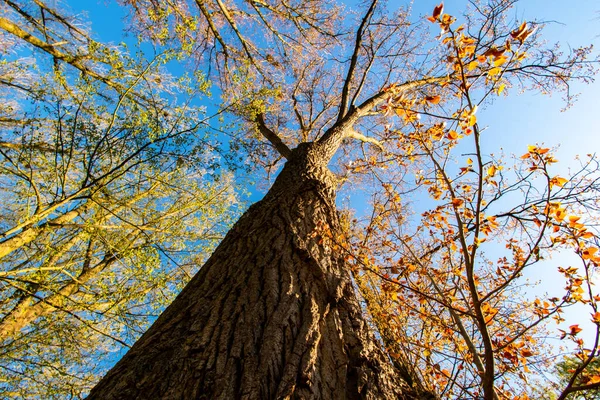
(273, 314)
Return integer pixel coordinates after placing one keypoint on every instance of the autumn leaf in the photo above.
(433, 99)
(500, 60)
(521, 33)
(574, 329)
(596, 317)
(457, 202)
(494, 52)
(558, 181)
(437, 11)
(541, 150)
(526, 353)
(452, 135)
(494, 71)
(472, 120)
(559, 214)
(589, 253)
(500, 89)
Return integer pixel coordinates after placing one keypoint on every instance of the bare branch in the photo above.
(272, 137)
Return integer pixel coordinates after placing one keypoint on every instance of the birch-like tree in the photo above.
(111, 196)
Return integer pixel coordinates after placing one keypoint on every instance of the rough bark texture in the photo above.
(271, 315)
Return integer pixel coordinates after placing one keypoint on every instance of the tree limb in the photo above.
(359, 136)
(272, 137)
(354, 60)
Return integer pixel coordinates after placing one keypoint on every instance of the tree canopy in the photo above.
(116, 181)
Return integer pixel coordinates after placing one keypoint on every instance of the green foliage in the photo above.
(111, 197)
(565, 370)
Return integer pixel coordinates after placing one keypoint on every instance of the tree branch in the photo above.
(272, 137)
(354, 60)
(359, 136)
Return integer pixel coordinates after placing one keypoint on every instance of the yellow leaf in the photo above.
(558, 181)
(494, 71)
(472, 120)
(500, 89)
(478, 241)
(492, 171)
(559, 214)
(472, 65)
(469, 50)
(500, 60)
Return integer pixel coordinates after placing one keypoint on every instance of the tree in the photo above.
(273, 313)
(109, 200)
(568, 366)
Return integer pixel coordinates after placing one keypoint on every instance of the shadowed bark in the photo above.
(272, 314)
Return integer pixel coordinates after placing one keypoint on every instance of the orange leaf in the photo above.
(596, 317)
(574, 329)
(437, 11)
(433, 99)
(452, 135)
(494, 52)
(541, 150)
(457, 202)
(521, 33)
(589, 253)
(559, 214)
(526, 353)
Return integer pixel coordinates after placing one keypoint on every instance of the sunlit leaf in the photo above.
(433, 99)
(437, 11)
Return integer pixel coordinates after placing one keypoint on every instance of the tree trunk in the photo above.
(273, 313)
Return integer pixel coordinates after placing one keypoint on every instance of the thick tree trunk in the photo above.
(272, 315)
